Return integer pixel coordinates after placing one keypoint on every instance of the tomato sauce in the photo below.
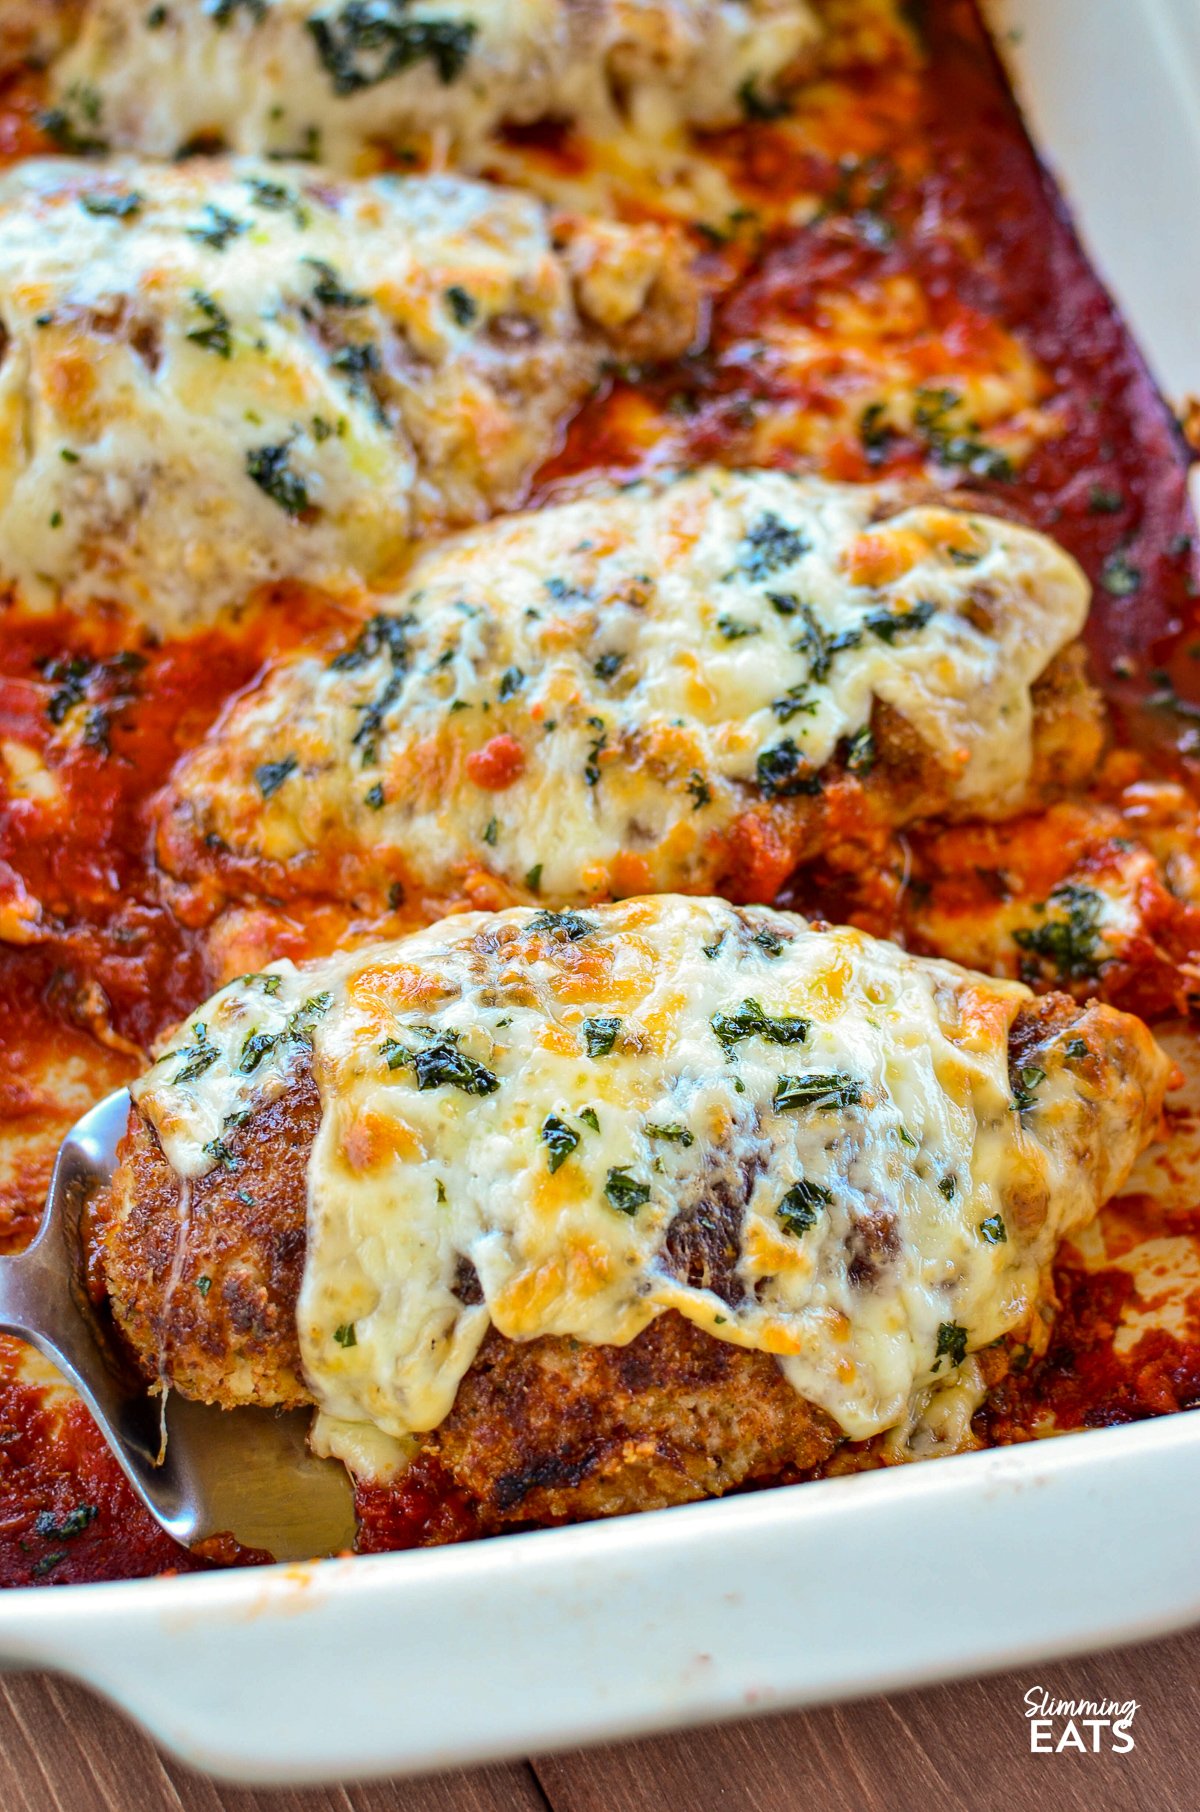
(931, 254)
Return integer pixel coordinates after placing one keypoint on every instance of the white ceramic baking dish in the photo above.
(851, 1586)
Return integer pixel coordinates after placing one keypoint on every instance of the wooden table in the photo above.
(958, 1748)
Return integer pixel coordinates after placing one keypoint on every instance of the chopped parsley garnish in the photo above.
(591, 768)
(217, 228)
(888, 624)
(783, 772)
(590, 1118)
(1119, 577)
(271, 472)
(330, 291)
(219, 1152)
(204, 1285)
(74, 1522)
(993, 1230)
(749, 1021)
(71, 128)
(533, 879)
(951, 1344)
(768, 943)
(374, 797)
(125, 206)
(802, 1205)
(734, 629)
(462, 305)
(297, 1029)
(699, 789)
(272, 774)
(511, 681)
(560, 1140)
(875, 436)
(491, 832)
(676, 1134)
(196, 1057)
(1029, 1080)
(948, 1187)
(794, 702)
(571, 925)
(563, 592)
(345, 1335)
(814, 641)
(1077, 1047)
(356, 363)
(952, 445)
(834, 1089)
(368, 41)
(600, 1035)
(215, 336)
(768, 547)
(624, 1194)
(860, 751)
(608, 666)
(221, 12)
(382, 632)
(273, 195)
(1070, 943)
(441, 1065)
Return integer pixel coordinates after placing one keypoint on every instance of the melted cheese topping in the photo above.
(584, 1111)
(590, 695)
(220, 375)
(341, 81)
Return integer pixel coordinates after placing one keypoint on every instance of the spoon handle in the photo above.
(42, 1301)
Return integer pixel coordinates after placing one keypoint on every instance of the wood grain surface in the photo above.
(962, 1747)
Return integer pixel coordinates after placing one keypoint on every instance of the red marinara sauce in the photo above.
(935, 197)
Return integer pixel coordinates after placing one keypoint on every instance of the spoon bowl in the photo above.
(201, 1471)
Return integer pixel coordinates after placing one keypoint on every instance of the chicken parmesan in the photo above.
(217, 376)
(683, 685)
(562, 1126)
(347, 81)
(902, 355)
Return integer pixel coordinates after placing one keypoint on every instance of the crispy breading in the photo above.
(204, 1279)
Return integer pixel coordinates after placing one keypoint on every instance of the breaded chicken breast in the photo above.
(249, 371)
(690, 684)
(721, 1187)
(353, 80)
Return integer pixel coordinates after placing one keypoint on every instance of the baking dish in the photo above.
(789, 1596)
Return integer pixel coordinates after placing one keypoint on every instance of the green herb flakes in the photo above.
(272, 774)
(600, 1035)
(623, 1192)
(829, 1091)
(674, 1133)
(559, 1139)
(951, 1344)
(801, 1206)
(271, 471)
(749, 1021)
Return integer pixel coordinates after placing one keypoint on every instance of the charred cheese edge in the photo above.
(220, 375)
(582, 700)
(548, 1096)
(340, 82)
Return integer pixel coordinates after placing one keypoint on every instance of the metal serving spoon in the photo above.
(246, 1472)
